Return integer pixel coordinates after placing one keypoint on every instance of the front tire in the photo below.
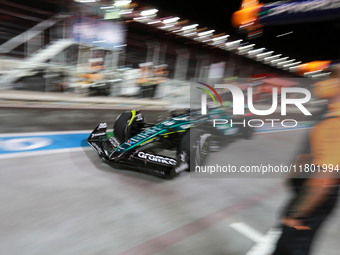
(120, 128)
(124, 130)
(193, 149)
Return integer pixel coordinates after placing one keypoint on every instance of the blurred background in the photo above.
(136, 49)
(66, 65)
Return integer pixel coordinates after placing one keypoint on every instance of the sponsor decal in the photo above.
(141, 136)
(99, 134)
(131, 142)
(156, 158)
(114, 142)
(97, 147)
(147, 133)
(168, 123)
(185, 126)
(152, 130)
(102, 125)
(183, 118)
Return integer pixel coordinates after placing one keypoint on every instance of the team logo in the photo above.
(239, 99)
(156, 158)
(102, 125)
(204, 97)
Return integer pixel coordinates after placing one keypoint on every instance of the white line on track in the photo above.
(47, 133)
(265, 244)
(39, 153)
(248, 231)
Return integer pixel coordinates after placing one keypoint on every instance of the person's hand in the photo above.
(293, 223)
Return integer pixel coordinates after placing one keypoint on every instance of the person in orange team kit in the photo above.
(315, 193)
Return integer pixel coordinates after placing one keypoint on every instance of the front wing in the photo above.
(133, 159)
